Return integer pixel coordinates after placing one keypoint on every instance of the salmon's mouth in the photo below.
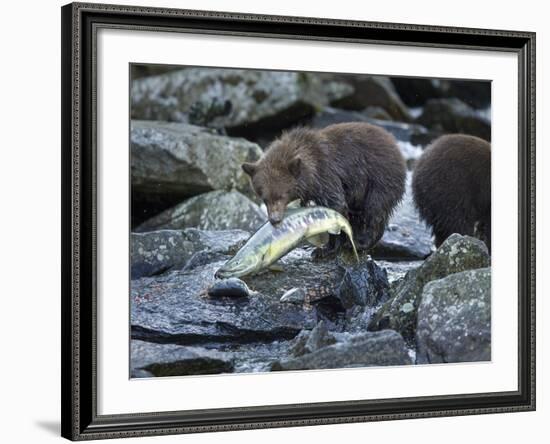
(224, 274)
(237, 270)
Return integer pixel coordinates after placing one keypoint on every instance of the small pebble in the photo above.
(232, 287)
(294, 296)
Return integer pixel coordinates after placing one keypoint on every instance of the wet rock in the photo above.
(328, 116)
(223, 241)
(201, 258)
(411, 133)
(175, 308)
(362, 350)
(256, 356)
(372, 91)
(454, 319)
(406, 236)
(178, 161)
(417, 91)
(362, 284)
(365, 284)
(216, 210)
(376, 112)
(241, 101)
(294, 296)
(140, 373)
(319, 280)
(336, 90)
(454, 116)
(357, 319)
(138, 71)
(476, 94)
(231, 288)
(298, 344)
(310, 341)
(319, 337)
(148, 359)
(159, 251)
(397, 270)
(458, 253)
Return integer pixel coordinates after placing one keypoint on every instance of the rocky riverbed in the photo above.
(336, 315)
(193, 208)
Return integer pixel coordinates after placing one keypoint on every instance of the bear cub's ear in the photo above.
(249, 168)
(295, 166)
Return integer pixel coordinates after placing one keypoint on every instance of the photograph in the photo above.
(301, 221)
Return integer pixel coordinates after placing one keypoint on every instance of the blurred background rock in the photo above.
(202, 123)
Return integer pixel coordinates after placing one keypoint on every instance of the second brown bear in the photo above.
(452, 187)
(353, 168)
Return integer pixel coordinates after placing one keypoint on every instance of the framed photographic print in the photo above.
(279, 221)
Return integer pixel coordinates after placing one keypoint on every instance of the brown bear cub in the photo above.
(452, 187)
(353, 168)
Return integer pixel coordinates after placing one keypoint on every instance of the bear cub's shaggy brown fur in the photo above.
(353, 168)
(452, 187)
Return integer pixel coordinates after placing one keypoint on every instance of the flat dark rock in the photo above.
(176, 308)
(148, 359)
(363, 350)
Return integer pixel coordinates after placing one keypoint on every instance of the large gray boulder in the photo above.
(159, 251)
(454, 116)
(178, 161)
(148, 359)
(411, 133)
(454, 319)
(363, 350)
(235, 99)
(372, 91)
(216, 210)
(458, 253)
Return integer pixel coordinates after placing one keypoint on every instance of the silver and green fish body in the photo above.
(270, 243)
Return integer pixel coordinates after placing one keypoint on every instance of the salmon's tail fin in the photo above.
(349, 232)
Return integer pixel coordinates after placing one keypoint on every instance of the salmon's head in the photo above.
(240, 265)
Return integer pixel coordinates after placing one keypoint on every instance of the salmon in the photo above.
(270, 243)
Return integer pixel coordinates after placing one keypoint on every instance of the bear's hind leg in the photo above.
(370, 222)
(442, 230)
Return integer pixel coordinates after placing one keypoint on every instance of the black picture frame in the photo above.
(79, 396)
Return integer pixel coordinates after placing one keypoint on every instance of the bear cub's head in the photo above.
(280, 176)
(275, 185)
